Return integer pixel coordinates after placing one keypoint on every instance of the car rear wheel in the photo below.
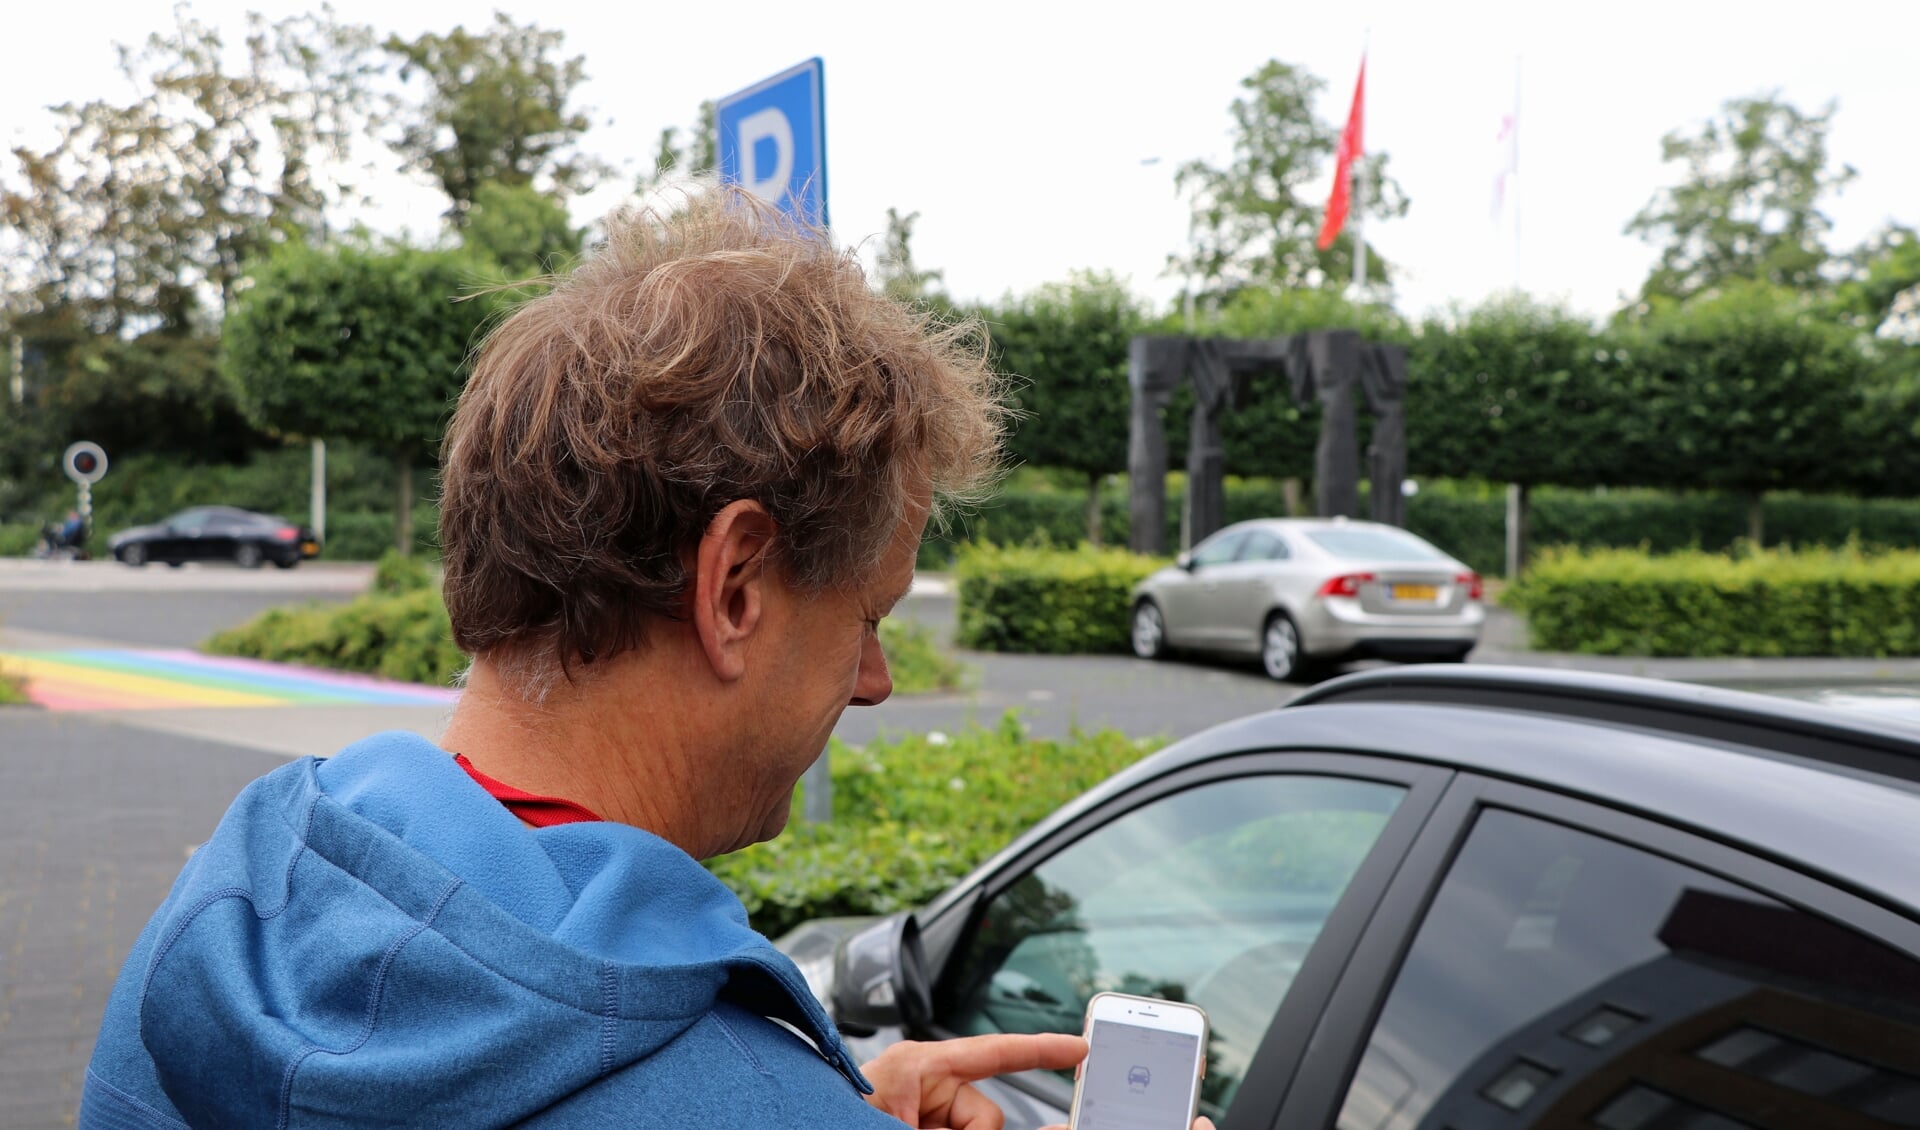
(1281, 656)
(286, 562)
(1149, 631)
(247, 555)
(134, 555)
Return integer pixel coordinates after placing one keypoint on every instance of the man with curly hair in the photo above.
(681, 490)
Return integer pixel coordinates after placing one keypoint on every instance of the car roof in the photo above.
(1731, 765)
(230, 512)
(1312, 525)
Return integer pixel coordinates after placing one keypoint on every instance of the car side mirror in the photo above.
(1185, 561)
(880, 978)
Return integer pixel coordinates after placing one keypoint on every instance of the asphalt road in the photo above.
(156, 606)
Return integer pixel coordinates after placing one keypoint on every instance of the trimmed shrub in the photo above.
(395, 574)
(1767, 603)
(1030, 598)
(912, 814)
(400, 630)
(17, 539)
(13, 689)
(916, 660)
(404, 636)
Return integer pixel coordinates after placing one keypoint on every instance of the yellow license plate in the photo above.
(310, 548)
(1427, 593)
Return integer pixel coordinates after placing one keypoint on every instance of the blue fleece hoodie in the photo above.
(372, 940)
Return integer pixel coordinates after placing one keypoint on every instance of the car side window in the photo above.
(1263, 546)
(1563, 979)
(1219, 550)
(190, 521)
(1212, 895)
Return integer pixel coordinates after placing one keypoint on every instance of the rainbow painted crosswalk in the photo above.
(129, 679)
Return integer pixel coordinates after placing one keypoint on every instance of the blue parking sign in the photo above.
(773, 140)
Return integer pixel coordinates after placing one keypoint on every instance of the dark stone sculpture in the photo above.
(1323, 365)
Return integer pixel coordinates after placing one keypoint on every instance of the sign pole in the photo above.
(317, 502)
(771, 140)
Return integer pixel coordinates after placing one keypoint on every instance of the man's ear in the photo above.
(731, 578)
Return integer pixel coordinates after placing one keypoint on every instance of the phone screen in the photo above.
(1137, 1078)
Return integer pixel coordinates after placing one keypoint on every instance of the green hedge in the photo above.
(146, 488)
(912, 814)
(1469, 521)
(1770, 603)
(17, 539)
(364, 535)
(1029, 598)
(399, 629)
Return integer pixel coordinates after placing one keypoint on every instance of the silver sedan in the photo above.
(1301, 593)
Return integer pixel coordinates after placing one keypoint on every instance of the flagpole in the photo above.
(1518, 191)
(1359, 203)
(1359, 237)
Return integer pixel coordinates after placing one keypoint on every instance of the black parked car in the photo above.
(1453, 898)
(217, 533)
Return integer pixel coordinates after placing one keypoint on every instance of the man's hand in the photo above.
(931, 1084)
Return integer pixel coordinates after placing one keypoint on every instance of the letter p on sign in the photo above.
(768, 182)
(773, 141)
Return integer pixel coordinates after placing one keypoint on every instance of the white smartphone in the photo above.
(1144, 1064)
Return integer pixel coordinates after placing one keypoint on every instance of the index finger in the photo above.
(972, 1058)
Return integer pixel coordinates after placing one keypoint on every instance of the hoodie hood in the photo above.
(376, 924)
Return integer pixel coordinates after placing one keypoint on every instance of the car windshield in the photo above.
(1374, 545)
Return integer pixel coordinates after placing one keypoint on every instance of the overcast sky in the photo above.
(1035, 138)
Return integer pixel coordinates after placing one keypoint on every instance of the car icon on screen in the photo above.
(1138, 1078)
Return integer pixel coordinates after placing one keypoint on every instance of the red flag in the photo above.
(1352, 148)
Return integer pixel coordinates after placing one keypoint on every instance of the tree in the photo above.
(1748, 204)
(1251, 223)
(899, 278)
(520, 230)
(359, 343)
(1520, 392)
(143, 213)
(1883, 282)
(1745, 391)
(1066, 345)
(495, 109)
(698, 158)
(120, 243)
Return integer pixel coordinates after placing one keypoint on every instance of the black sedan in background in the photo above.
(217, 533)
(1458, 898)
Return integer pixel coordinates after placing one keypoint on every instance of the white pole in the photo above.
(1359, 239)
(318, 501)
(19, 382)
(1517, 191)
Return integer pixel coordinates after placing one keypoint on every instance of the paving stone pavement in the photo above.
(99, 819)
